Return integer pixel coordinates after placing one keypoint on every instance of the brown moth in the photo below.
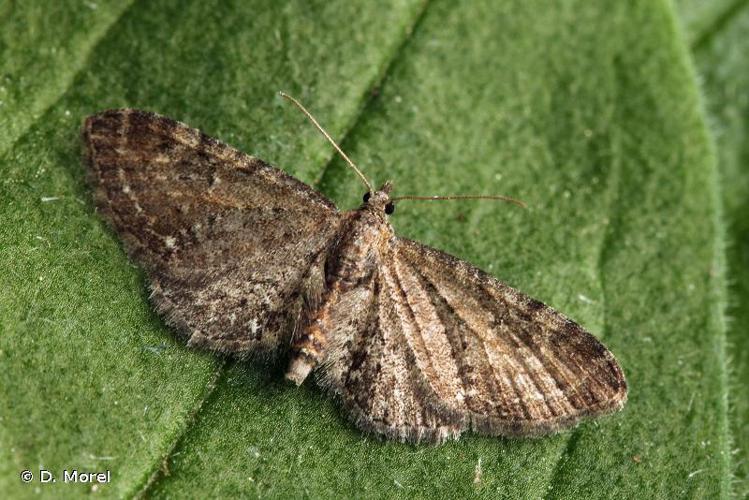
(418, 345)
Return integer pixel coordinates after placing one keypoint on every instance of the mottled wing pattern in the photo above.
(374, 371)
(507, 364)
(232, 246)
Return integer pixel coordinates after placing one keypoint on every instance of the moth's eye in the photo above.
(390, 208)
(366, 196)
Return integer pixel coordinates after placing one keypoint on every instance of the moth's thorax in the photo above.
(361, 242)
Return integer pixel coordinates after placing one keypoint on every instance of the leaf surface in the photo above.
(588, 111)
(720, 49)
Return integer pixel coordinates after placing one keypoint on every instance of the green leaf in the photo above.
(720, 50)
(703, 20)
(588, 111)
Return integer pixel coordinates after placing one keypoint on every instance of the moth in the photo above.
(246, 260)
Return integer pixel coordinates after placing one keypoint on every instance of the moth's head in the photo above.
(380, 199)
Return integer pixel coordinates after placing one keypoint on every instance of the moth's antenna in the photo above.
(463, 197)
(330, 139)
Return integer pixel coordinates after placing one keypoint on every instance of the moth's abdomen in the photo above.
(349, 271)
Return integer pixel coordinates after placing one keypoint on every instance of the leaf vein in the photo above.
(84, 63)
